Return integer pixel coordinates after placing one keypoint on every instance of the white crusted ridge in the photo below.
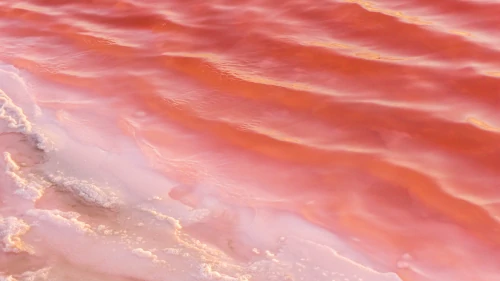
(16, 120)
(14, 115)
(40, 274)
(60, 218)
(30, 186)
(176, 224)
(140, 252)
(208, 273)
(86, 190)
(11, 228)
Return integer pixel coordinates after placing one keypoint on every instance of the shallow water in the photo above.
(250, 140)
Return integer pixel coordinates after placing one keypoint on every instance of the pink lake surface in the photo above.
(250, 140)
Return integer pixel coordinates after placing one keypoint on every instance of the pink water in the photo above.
(250, 140)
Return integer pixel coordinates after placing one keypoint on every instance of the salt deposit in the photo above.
(11, 230)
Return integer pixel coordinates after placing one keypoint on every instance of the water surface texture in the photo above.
(250, 140)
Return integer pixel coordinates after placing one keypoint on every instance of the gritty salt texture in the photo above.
(14, 115)
(60, 218)
(86, 190)
(39, 275)
(140, 252)
(176, 224)
(30, 186)
(11, 230)
(209, 273)
(17, 121)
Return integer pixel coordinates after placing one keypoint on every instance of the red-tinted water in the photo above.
(376, 121)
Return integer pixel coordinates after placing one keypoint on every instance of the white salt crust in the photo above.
(60, 218)
(39, 275)
(11, 230)
(30, 187)
(17, 121)
(208, 273)
(176, 224)
(86, 190)
(141, 253)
